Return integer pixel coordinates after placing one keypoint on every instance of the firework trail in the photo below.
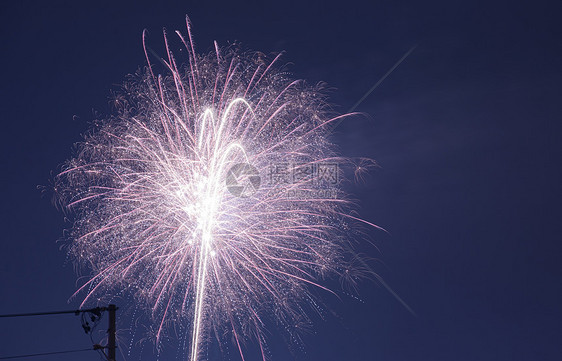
(167, 205)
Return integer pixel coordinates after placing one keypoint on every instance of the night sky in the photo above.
(466, 132)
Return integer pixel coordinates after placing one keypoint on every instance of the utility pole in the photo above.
(95, 315)
(111, 346)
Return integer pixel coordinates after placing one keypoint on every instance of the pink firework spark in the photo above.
(213, 196)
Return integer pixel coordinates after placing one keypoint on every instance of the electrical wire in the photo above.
(46, 353)
(76, 312)
(89, 324)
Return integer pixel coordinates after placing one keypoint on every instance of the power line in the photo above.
(47, 353)
(76, 312)
(95, 315)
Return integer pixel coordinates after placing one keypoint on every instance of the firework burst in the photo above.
(213, 196)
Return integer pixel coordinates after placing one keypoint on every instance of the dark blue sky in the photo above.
(467, 132)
